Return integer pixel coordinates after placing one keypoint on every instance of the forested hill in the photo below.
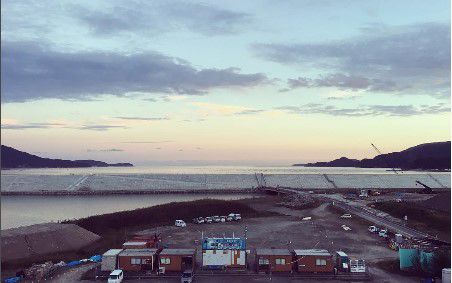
(13, 158)
(425, 156)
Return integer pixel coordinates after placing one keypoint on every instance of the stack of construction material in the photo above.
(40, 271)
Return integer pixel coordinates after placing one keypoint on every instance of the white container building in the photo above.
(110, 260)
(220, 253)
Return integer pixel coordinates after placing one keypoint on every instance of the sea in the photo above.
(24, 210)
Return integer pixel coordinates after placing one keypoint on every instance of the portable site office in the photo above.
(218, 253)
(313, 260)
(176, 260)
(110, 260)
(342, 261)
(137, 259)
(274, 260)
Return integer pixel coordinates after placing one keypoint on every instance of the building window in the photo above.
(165, 260)
(281, 261)
(320, 262)
(135, 261)
(264, 261)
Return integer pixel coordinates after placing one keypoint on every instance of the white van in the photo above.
(180, 223)
(116, 276)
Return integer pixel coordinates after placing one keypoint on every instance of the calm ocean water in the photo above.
(19, 211)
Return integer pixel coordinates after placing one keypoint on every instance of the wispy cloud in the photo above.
(31, 126)
(142, 118)
(100, 127)
(366, 110)
(153, 18)
(33, 71)
(250, 112)
(344, 81)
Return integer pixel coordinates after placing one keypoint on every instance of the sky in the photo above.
(223, 82)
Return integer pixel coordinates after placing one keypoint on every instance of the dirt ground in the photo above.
(284, 230)
(287, 230)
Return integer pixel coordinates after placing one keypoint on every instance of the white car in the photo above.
(116, 276)
(383, 233)
(180, 223)
(235, 216)
(187, 276)
(373, 229)
(346, 216)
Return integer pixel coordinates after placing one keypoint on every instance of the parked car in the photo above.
(216, 218)
(208, 220)
(383, 233)
(229, 218)
(180, 223)
(187, 276)
(235, 216)
(346, 216)
(373, 229)
(223, 218)
(116, 276)
(346, 228)
(198, 220)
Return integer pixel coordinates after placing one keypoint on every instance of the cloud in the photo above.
(30, 126)
(143, 118)
(406, 59)
(100, 127)
(343, 81)
(31, 71)
(157, 18)
(250, 112)
(367, 110)
(150, 99)
(105, 150)
(207, 109)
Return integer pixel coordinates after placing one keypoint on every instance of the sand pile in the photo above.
(43, 239)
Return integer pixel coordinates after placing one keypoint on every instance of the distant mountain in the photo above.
(13, 158)
(424, 156)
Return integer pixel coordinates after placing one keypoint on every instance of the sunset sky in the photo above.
(223, 82)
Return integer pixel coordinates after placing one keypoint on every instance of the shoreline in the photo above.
(128, 192)
(258, 191)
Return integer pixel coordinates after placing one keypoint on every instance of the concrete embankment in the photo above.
(35, 241)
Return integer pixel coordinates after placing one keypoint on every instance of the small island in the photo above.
(12, 158)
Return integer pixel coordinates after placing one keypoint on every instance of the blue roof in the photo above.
(223, 244)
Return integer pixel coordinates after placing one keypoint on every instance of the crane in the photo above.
(384, 158)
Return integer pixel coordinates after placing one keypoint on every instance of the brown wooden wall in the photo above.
(276, 267)
(124, 263)
(307, 264)
(175, 262)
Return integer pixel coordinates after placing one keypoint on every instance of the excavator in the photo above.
(425, 190)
